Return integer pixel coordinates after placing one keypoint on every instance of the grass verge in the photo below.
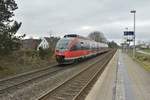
(146, 50)
(144, 60)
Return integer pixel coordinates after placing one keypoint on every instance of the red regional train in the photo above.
(74, 47)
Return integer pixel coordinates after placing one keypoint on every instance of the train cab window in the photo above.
(73, 48)
(76, 47)
(62, 44)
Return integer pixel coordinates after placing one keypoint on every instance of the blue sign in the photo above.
(129, 40)
(128, 33)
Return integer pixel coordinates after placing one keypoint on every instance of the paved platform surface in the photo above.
(104, 89)
(123, 79)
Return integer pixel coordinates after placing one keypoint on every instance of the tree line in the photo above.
(8, 27)
(99, 37)
(10, 42)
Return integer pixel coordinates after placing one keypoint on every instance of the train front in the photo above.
(62, 47)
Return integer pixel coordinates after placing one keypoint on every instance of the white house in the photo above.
(44, 44)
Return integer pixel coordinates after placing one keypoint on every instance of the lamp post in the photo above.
(126, 40)
(133, 11)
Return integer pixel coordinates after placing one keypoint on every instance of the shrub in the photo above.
(45, 53)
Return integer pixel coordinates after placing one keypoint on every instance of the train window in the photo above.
(82, 45)
(81, 42)
(62, 44)
(73, 48)
(77, 46)
(88, 46)
(71, 35)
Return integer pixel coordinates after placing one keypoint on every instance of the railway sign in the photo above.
(129, 40)
(127, 33)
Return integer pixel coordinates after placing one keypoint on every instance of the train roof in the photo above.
(76, 36)
(80, 37)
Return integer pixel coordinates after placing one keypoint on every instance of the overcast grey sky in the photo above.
(40, 17)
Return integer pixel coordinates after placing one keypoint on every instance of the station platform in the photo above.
(122, 79)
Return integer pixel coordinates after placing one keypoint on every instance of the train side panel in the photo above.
(78, 48)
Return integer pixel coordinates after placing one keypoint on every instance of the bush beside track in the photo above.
(23, 61)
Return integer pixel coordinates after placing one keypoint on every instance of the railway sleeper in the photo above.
(58, 98)
(69, 94)
(76, 85)
(71, 91)
(62, 97)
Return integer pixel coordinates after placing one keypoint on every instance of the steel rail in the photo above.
(81, 95)
(44, 96)
(26, 73)
(10, 84)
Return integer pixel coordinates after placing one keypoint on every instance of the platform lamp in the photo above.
(133, 11)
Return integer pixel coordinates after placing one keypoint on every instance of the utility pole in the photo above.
(133, 11)
(126, 41)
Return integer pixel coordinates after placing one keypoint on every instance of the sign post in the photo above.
(129, 37)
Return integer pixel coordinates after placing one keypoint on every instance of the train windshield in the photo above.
(62, 44)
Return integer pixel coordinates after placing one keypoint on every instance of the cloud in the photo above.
(40, 17)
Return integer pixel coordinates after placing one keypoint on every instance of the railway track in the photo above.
(12, 82)
(31, 85)
(21, 79)
(76, 87)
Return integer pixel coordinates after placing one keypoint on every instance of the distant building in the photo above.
(30, 43)
(144, 45)
(51, 42)
(44, 44)
(34, 44)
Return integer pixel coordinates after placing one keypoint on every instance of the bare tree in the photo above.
(97, 36)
